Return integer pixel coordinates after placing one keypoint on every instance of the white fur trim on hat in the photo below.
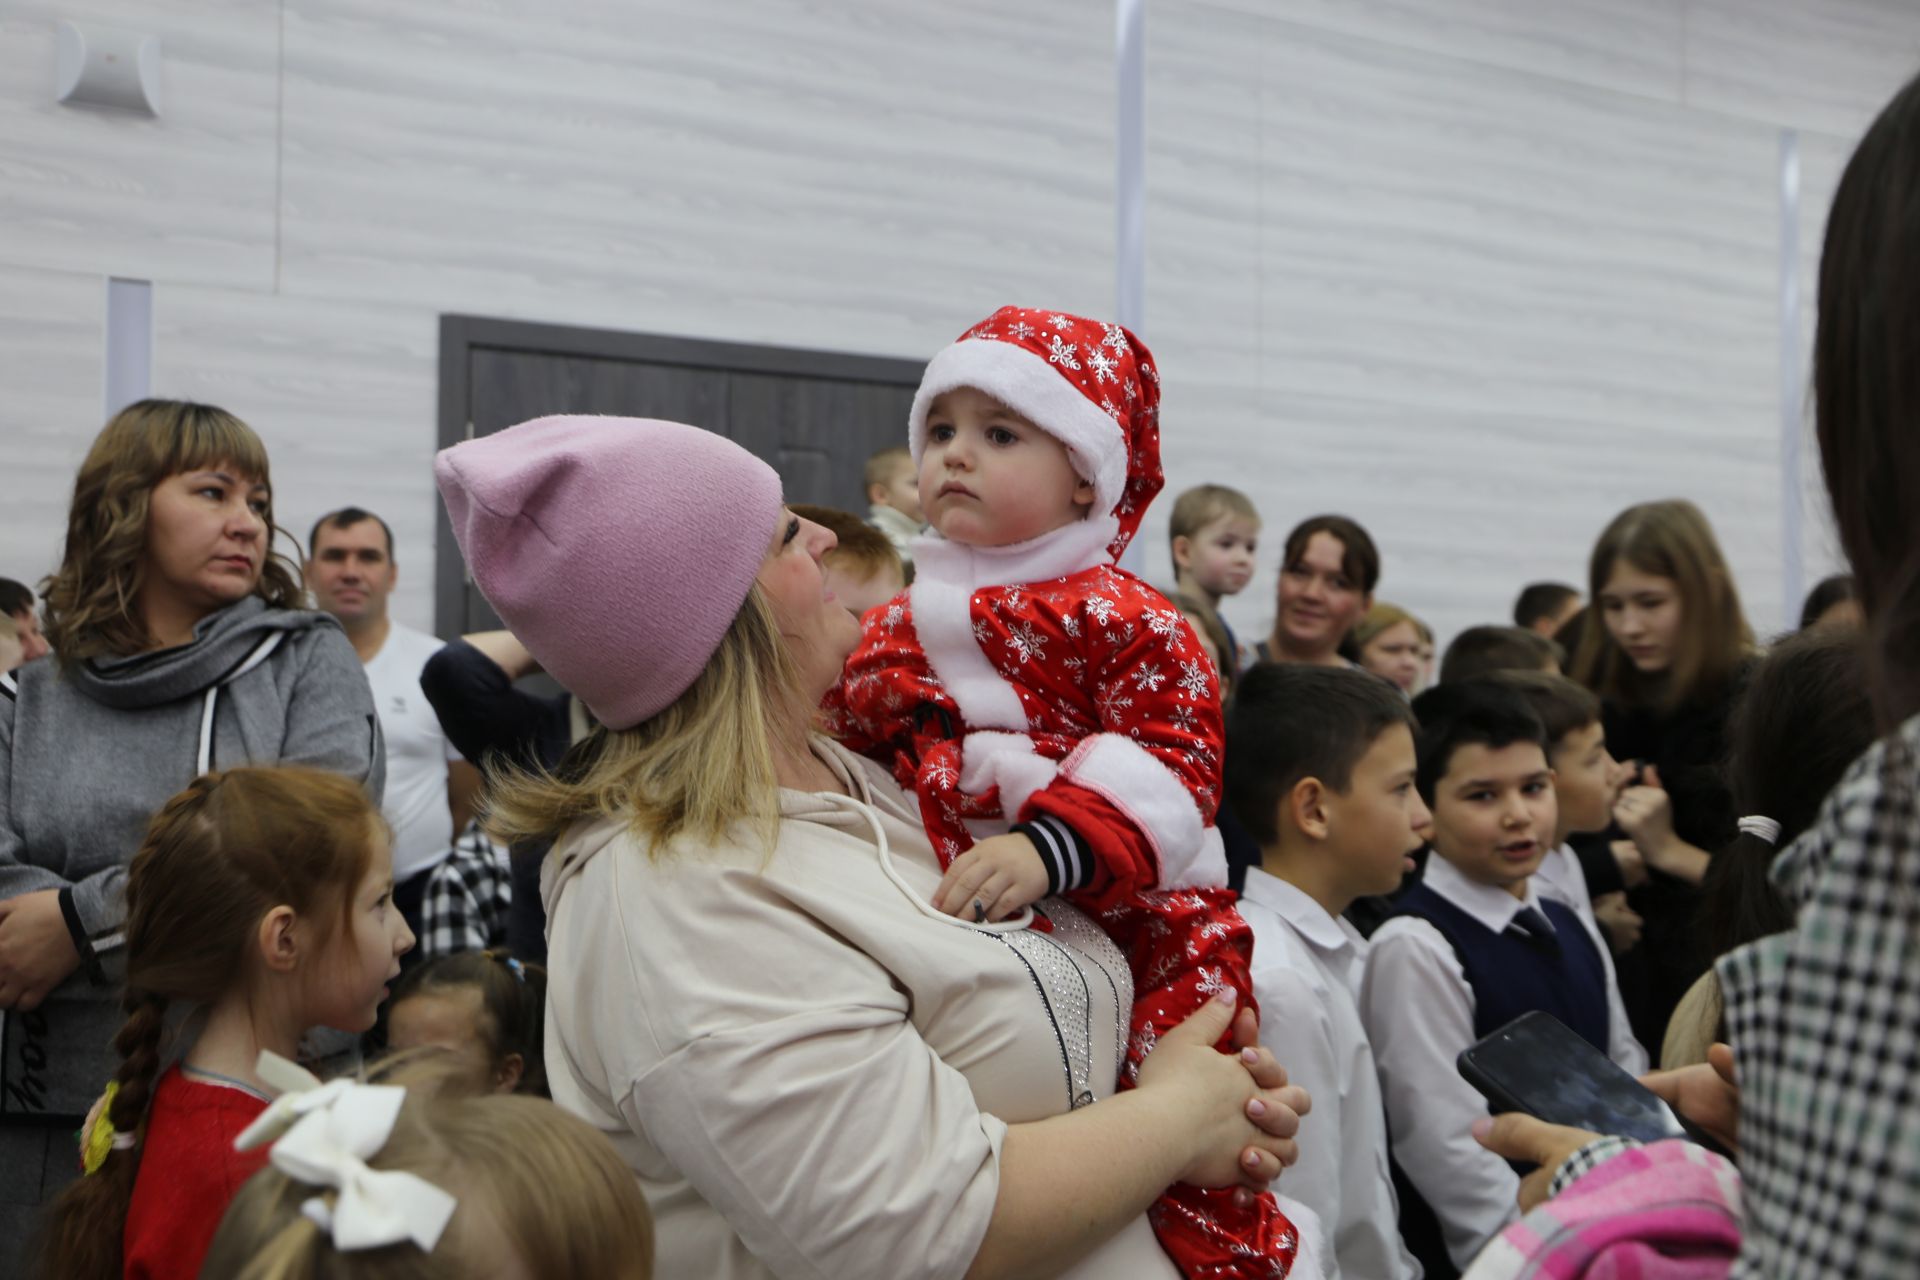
(1138, 784)
(1026, 383)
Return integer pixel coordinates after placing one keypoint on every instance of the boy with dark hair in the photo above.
(1481, 651)
(1471, 947)
(1320, 769)
(1587, 780)
(22, 610)
(1544, 606)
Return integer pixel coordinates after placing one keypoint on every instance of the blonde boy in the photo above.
(1214, 533)
(893, 489)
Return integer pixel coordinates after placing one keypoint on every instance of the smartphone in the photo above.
(1539, 1065)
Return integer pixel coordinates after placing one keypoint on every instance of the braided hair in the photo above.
(216, 858)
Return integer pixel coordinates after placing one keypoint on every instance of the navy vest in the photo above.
(1512, 974)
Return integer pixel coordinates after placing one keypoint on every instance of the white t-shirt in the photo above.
(417, 753)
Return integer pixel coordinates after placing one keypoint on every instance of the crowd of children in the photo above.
(1576, 818)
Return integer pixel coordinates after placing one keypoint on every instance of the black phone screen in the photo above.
(1537, 1064)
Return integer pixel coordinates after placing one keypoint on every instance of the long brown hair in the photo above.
(1866, 390)
(547, 1183)
(216, 858)
(92, 599)
(1670, 539)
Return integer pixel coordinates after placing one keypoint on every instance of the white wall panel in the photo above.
(343, 395)
(1633, 46)
(51, 402)
(859, 177)
(1814, 64)
(1587, 273)
(189, 196)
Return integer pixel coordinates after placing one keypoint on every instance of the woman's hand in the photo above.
(1238, 1109)
(1708, 1096)
(1517, 1136)
(36, 952)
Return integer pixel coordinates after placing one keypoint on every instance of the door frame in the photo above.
(462, 335)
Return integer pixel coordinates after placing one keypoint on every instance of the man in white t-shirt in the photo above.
(430, 789)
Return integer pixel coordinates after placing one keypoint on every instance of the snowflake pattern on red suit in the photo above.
(1095, 653)
(998, 692)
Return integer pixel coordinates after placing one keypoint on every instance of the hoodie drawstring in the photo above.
(254, 659)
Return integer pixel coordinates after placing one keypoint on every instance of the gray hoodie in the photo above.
(86, 757)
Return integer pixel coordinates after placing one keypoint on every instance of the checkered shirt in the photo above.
(1825, 1027)
(466, 900)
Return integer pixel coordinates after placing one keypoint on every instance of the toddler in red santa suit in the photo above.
(1056, 716)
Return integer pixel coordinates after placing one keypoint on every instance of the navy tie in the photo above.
(1531, 924)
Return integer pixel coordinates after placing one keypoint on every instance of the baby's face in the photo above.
(991, 478)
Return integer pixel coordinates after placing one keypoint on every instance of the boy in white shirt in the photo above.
(1320, 769)
(1587, 780)
(1470, 947)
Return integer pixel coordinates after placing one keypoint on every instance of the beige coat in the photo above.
(809, 1069)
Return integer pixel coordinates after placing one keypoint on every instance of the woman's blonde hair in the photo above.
(92, 599)
(695, 769)
(1384, 617)
(1670, 539)
(526, 1176)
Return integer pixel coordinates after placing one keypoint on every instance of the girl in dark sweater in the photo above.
(1668, 659)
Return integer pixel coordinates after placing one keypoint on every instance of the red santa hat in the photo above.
(1090, 385)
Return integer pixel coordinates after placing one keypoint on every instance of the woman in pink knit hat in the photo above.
(811, 1070)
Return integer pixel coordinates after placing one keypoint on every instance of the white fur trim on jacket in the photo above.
(1156, 801)
(946, 575)
(1007, 761)
(1025, 382)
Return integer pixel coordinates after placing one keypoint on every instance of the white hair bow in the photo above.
(324, 1134)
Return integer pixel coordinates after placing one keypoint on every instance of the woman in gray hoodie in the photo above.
(179, 647)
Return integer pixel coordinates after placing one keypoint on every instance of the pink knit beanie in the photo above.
(618, 550)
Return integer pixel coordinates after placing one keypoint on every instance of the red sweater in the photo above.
(189, 1171)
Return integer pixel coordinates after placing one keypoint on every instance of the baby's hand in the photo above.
(993, 880)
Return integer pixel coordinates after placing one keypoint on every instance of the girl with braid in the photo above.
(263, 899)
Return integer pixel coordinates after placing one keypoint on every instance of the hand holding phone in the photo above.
(1536, 1064)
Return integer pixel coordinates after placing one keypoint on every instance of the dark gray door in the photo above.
(814, 416)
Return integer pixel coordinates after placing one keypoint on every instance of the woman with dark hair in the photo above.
(1824, 1020)
(180, 647)
(1327, 575)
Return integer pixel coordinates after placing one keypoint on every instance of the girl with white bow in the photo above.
(381, 1182)
(264, 898)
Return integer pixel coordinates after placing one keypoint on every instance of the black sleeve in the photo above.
(484, 715)
(1068, 858)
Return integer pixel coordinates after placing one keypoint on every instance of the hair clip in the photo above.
(1766, 828)
(519, 970)
(324, 1134)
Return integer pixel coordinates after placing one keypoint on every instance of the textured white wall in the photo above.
(1477, 271)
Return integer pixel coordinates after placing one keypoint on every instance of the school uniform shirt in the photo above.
(417, 753)
(188, 1174)
(1560, 877)
(1307, 967)
(1418, 1010)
